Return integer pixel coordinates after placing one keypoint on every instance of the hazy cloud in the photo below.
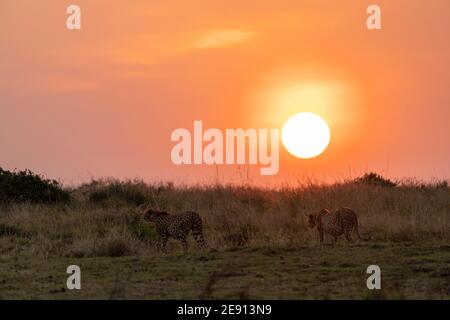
(221, 38)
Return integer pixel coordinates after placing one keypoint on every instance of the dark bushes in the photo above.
(116, 191)
(26, 186)
(375, 179)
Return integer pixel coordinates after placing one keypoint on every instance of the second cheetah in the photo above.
(177, 226)
(341, 221)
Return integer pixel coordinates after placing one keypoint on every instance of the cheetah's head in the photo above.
(153, 215)
(311, 220)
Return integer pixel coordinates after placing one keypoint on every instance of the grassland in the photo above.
(408, 271)
(259, 244)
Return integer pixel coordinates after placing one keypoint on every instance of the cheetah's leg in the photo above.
(356, 228)
(185, 244)
(321, 236)
(163, 244)
(348, 236)
(197, 232)
(200, 239)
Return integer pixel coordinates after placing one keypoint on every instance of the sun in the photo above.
(305, 135)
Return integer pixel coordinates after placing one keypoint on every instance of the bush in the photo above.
(375, 179)
(25, 186)
(125, 192)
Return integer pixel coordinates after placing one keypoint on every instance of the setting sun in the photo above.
(305, 135)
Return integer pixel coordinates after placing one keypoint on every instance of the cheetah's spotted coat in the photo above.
(177, 226)
(341, 221)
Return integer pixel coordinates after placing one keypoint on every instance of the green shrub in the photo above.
(26, 186)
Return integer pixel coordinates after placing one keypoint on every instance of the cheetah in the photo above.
(177, 226)
(342, 221)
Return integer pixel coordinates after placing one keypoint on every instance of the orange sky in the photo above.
(103, 101)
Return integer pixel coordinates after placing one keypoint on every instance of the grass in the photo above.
(260, 245)
(408, 271)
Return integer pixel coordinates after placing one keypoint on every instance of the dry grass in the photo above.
(102, 219)
(250, 228)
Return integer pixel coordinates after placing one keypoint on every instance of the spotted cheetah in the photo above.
(176, 226)
(342, 221)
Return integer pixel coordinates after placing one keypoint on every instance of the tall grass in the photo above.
(103, 218)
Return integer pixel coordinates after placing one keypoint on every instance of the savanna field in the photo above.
(259, 246)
